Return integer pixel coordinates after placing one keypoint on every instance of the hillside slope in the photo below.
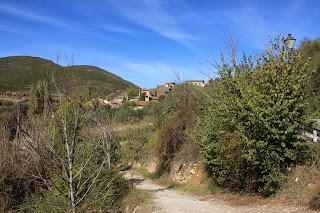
(17, 73)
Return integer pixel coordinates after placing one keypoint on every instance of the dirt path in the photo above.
(174, 201)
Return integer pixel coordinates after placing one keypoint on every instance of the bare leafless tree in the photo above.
(105, 131)
(213, 66)
(71, 149)
(232, 50)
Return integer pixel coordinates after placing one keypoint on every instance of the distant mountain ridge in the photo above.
(18, 73)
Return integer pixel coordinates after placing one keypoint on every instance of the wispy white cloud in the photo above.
(47, 20)
(117, 29)
(8, 29)
(29, 15)
(153, 15)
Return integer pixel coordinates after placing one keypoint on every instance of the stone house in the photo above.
(170, 85)
(146, 92)
(199, 83)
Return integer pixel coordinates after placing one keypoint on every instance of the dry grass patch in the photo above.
(314, 203)
(238, 199)
(138, 201)
(302, 185)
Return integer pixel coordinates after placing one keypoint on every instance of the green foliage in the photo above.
(156, 110)
(79, 177)
(39, 99)
(142, 96)
(134, 141)
(71, 169)
(145, 173)
(161, 98)
(155, 175)
(132, 91)
(12, 192)
(310, 50)
(44, 201)
(126, 104)
(106, 111)
(171, 137)
(106, 195)
(309, 47)
(315, 154)
(249, 131)
(127, 113)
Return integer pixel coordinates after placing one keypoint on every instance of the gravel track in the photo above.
(173, 201)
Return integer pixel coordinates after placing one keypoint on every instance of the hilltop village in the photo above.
(143, 98)
(146, 96)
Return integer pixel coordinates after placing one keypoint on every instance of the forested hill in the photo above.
(17, 73)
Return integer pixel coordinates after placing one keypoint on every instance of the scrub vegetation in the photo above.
(247, 126)
(57, 154)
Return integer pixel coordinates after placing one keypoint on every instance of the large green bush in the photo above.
(136, 144)
(132, 91)
(249, 131)
(126, 112)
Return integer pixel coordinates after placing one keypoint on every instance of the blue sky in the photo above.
(147, 41)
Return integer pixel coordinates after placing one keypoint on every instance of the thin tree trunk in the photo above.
(71, 191)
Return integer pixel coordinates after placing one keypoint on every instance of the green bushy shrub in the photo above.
(108, 200)
(249, 132)
(128, 113)
(134, 145)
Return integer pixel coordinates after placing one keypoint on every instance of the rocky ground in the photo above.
(168, 200)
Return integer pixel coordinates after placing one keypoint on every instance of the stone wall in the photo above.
(150, 165)
(182, 172)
